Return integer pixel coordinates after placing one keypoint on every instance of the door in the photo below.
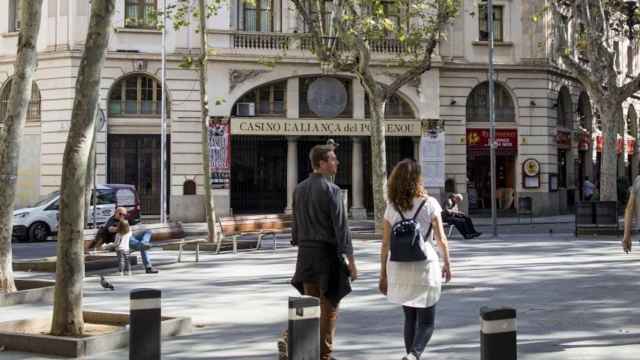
(135, 160)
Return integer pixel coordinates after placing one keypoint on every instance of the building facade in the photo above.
(263, 121)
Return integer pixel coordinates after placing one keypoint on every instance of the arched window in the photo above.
(136, 95)
(266, 100)
(396, 107)
(478, 104)
(33, 113)
(584, 111)
(565, 108)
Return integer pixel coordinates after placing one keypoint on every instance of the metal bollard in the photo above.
(304, 328)
(144, 324)
(498, 334)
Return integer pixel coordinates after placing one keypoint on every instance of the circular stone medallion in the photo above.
(327, 97)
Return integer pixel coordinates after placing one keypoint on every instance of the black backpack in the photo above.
(406, 239)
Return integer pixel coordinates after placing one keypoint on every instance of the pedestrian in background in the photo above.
(457, 218)
(321, 232)
(631, 214)
(415, 285)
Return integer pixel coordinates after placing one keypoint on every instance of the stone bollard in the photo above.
(304, 328)
(145, 324)
(498, 334)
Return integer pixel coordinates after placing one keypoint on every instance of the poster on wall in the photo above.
(219, 153)
(432, 158)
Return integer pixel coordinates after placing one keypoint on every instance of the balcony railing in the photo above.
(287, 41)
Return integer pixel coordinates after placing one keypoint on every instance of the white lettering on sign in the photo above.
(335, 127)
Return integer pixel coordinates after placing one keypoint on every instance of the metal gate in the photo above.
(258, 174)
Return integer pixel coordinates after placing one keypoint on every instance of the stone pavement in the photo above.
(576, 299)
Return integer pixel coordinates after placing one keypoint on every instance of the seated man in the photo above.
(452, 215)
(107, 233)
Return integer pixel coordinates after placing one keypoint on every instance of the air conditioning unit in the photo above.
(246, 109)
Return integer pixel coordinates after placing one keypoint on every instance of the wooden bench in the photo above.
(258, 225)
(161, 235)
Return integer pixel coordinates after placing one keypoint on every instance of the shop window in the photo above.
(258, 15)
(564, 109)
(396, 107)
(266, 100)
(305, 110)
(478, 104)
(136, 95)
(33, 113)
(140, 14)
(562, 169)
(483, 26)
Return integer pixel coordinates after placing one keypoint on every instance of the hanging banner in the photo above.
(563, 140)
(628, 143)
(219, 154)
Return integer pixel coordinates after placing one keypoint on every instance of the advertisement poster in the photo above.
(432, 159)
(219, 154)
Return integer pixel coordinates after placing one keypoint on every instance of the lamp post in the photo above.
(492, 119)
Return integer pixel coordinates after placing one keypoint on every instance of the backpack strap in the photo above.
(418, 211)
(399, 212)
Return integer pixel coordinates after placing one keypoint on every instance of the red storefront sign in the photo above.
(563, 139)
(506, 139)
(629, 143)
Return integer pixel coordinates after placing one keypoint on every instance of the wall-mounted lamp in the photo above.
(453, 102)
(532, 103)
(555, 105)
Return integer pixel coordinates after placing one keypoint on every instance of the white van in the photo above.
(38, 222)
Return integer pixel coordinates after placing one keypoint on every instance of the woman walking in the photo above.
(415, 285)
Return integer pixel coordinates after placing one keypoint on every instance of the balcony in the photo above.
(239, 42)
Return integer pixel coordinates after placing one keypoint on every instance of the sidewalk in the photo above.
(576, 299)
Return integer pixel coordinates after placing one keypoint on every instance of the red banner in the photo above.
(219, 153)
(628, 143)
(585, 141)
(563, 139)
(506, 140)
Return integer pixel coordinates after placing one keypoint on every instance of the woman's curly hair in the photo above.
(405, 184)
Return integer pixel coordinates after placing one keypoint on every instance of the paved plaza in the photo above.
(576, 299)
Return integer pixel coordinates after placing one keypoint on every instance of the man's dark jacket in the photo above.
(321, 232)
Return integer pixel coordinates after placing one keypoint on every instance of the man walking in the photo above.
(107, 234)
(321, 232)
(631, 214)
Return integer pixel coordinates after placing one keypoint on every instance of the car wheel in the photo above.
(38, 232)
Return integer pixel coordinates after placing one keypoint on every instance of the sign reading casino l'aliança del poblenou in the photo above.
(315, 127)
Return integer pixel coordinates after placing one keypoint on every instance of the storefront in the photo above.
(478, 164)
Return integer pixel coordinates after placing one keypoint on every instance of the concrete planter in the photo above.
(30, 291)
(91, 263)
(24, 335)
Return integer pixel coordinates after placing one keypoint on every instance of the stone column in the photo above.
(293, 106)
(357, 209)
(416, 148)
(292, 170)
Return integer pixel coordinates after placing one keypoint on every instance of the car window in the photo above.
(106, 197)
(54, 205)
(46, 199)
(126, 197)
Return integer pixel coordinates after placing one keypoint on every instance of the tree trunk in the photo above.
(609, 113)
(378, 157)
(204, 103)
(67, 306)
(11, 133)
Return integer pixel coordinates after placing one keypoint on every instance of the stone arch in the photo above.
(477, 109)
(143, 76)
(564, 107)
(34, 110)
(584, 111)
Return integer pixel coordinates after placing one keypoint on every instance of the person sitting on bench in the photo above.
(107, 233)
(452, 215)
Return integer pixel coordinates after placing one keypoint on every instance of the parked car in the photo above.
(38, 222)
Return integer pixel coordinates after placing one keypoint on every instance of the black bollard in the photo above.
(144, 324)
(498, 334)
(304, 328)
